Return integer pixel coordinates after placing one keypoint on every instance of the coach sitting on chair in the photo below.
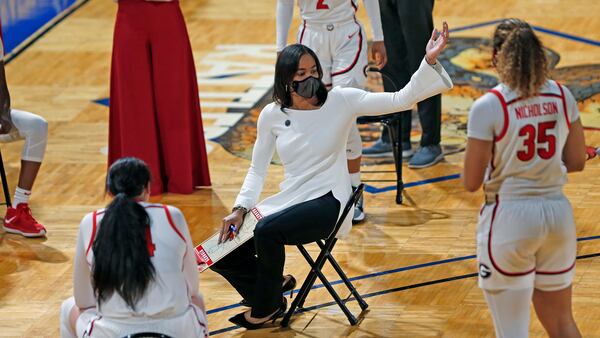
(309, 127)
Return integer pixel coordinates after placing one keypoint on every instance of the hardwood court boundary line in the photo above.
(391, 271)
(393, 290)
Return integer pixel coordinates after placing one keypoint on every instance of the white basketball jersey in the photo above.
(327, 11)
(169, 294)
(528, 139)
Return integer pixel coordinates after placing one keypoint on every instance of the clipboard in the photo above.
(210, 251)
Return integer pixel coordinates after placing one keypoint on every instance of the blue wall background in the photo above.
(22, 19)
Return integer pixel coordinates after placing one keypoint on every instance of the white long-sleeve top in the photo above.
(176, 278)
(321, 12)
(312, 148)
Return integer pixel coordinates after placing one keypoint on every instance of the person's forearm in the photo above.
(284, 15)
(373, 12)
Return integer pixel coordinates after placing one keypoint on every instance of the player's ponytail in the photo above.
(519, 57)
(121, 258)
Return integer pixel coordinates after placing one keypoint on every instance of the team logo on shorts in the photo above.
(484, 271)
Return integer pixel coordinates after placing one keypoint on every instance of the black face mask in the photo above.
(308, 87)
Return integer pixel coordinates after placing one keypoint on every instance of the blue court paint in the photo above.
(393, 290)
(537, 28)
(567, 36)
(105, 101)
(374, 190)
(23, 22)
(476, 25)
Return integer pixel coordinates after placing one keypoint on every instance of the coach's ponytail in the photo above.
(121, 258)
(519, 57)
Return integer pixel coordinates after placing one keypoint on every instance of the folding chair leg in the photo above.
(301, 294)
(393, 126)
(337, 298)
(349, 285)
(310, 279)
(4, 183)
(298, 302)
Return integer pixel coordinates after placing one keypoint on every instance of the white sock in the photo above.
(21, 196)
(355, 179)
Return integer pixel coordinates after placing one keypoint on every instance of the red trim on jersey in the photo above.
(505, 110)
(94, 226)
(349, 68)
(89, 333)
(510, 274)
(173, 223)
(354, 6)
(564, 101)
(541, 94)
(302, 33)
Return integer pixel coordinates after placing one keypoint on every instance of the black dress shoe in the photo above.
(289, 285)
(241, 320)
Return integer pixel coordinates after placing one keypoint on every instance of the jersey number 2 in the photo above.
(531, 142)
(322, 5)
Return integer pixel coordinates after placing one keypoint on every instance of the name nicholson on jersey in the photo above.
(536, 109)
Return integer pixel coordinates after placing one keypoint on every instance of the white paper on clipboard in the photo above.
(210, 251)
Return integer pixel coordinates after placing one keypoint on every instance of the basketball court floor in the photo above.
(414, 263)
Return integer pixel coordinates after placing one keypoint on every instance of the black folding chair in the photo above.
(392, 123)
(316, 266)
(4, 183)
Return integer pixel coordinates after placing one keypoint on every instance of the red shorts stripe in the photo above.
(349, 68)
(556, 272)
(496, 266)
(302, 33)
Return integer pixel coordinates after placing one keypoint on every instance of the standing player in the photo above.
(330, 28)
(528, 133)
(17, 125)
(135, 268)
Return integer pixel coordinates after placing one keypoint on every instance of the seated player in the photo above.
(18, 125)
(135, 267)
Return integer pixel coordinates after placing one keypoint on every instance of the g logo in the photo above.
(484, 271)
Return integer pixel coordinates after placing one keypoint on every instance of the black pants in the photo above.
(407, 26)
(255, 269)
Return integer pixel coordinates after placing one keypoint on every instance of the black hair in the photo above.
(285, 70)
(121, 259)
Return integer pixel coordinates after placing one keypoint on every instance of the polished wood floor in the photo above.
(61, 75)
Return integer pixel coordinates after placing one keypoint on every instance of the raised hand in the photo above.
(436, 44)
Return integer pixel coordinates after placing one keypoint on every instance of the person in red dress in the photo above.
(154, 105)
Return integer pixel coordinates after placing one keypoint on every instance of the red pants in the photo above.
(154, 104)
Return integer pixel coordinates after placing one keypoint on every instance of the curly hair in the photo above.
(519, 57)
